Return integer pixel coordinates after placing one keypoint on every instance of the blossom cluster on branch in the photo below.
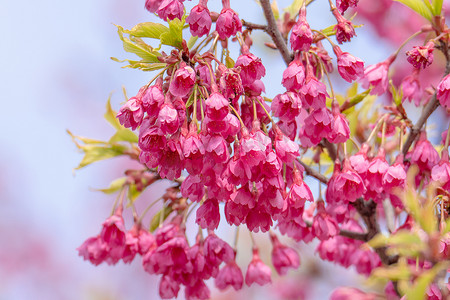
(203, 124)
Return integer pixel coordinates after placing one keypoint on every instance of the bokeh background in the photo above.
(56, 74)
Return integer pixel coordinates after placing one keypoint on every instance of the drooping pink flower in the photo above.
(169, 256)
(258, 219)
(93, 249)
(152, 100)
(286, 106)
(199, 19)
(395, 175)
(283, 257)
(319, 124)
(171, 162)
(377, 77)
(152, 5)
(433, 292)
(168, 288)
(208, 215)
(286, 149)
(301, 35)
(170, 9)
(360, 161)
(257, 271)
(183, 81)
(348, 185)
(347, 293)
(168, 120)
(236, 214)
(228, 22)
(324, 226)
(365, 261)
(151, 137)
(313, 92)
(230, 275)
(193, 188)
(443, 92)
(217, 251)
(344, 28)
(251, 67)
(349, 67)
(421, 56)
(216, 149)
(341, 131)
(440, 173)
(131, 245)
(411, 88)
(230, 83)
(343, 5)
(198, 290)
(375, 172)
(424, 154)
(254, 147)
(193, 151)
(131, 113)
(216, 106)
(114, 236)
(294, 76)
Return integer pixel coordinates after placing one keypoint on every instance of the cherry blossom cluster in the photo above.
(204, 124)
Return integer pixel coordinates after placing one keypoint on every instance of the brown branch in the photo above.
(273, 31)
(252, 26)
(428, 110)
(313, 173)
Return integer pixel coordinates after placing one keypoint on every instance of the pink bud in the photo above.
(283, 257)
(170, 9)
(257, 271)
(228, 23)
(421, 56)
(199, 20)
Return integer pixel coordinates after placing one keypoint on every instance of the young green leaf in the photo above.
(437, 7)
(148, 30)
(114, 186)
(419, 7)
(174, 37)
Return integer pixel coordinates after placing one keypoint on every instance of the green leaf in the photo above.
(110, 116)
(192, 41)
(447, 227)
(93, 153)
(154, 224)
(229, 62)
(138, 47)
(294, 8)
(190, 100)
(398, 271)
(142, 65)
(148, 30)
(174, 37)
(114, 186)
(276, 11)
(124, 135)
(417, 292)
(419, 7)
(437, 7)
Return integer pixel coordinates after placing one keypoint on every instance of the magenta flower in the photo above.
(349, 67)
(286, 106)
(183, 81)
(151, 137)
(216, 106)
(236, 213)
(375, 172)
(114, 236)
(443, 92)
(170, 9)
(199, 19)
(319, 124)
(168, 287)
(93, 249)
(299, 192)
(228, 22)
(152, 5)
(441, 171)
(251, 67)
(294, 76)
(345, 293)
(395, 175)
(324, 226)
(314, 92)
(283, 257)
(208, 214)
(193, 188)
(341, 129)
(411, 88)
(424, 154)
(257, 271)
(286, 149)
(230, 83)
(230, 275)
(217, 251)
(171, 163)
(348, 185)
(193, 151)
(421, 56)
(344, 28)
(301, 35)
(131, 113)
(376, 76)
(343, 5)
(152, 100)
(198, 290)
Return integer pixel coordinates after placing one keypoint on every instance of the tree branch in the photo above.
(273, 31)
(251, 25)
(311, 172)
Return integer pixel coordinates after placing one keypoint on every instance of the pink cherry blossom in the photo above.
(93, 249)
(257, 271)
(283, 257)
(294, 76)
(251, 67)
(170, 9)
(199, 19)
(228, 22)
(421, 56)
(286, 106)
(443, 92)
(349, 67)
(376, 76)
(208, 214)
(131, 113)
(301, 36)
(230, 275)
(183, 80)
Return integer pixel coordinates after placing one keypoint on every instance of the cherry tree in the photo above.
(234, 153)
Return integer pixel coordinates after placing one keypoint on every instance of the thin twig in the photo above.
(273, 31)
(311, 172)
(252, 26)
